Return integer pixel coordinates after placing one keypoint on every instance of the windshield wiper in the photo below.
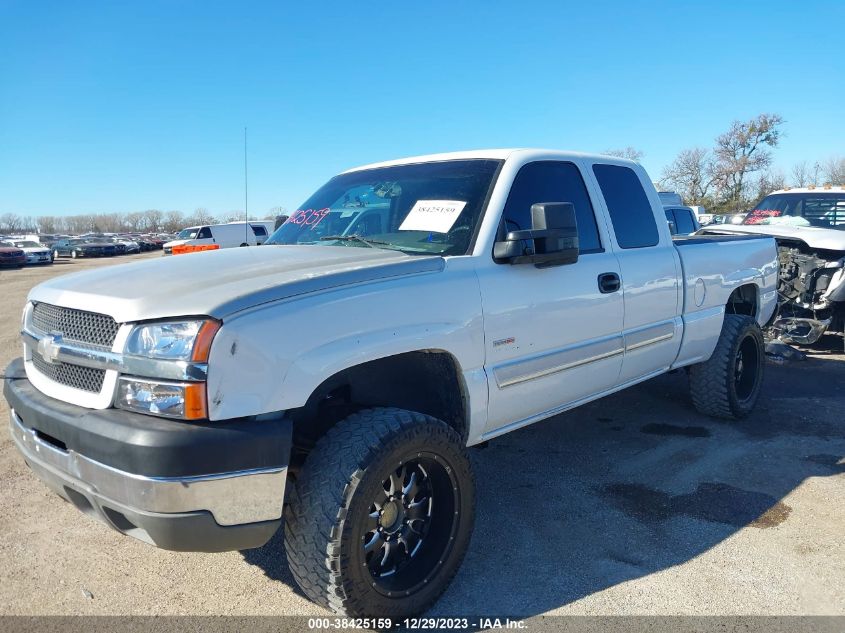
(354, 237)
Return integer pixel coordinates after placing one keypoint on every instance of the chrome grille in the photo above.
(84, 378)
(90, 328)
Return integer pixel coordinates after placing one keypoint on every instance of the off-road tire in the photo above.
(713, 383)
(331, 502)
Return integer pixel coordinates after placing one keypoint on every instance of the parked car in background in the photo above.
(11, 255)
(223, 235)
(809, 227)
(682, 220)
(35, 253)
(130, 246)
(146, 244)
(78, 247)
(705, 218)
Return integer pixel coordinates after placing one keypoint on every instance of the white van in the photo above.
(262, 229)
(224, 235)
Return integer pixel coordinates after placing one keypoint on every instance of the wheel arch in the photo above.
(744, 300)
(428, 381)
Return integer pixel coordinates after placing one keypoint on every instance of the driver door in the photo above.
(553, 335)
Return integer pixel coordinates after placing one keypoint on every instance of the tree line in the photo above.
(150, 221)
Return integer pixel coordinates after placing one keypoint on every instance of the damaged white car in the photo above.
(809, 227)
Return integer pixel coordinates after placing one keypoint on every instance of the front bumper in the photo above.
(39, 258)
(190, 487)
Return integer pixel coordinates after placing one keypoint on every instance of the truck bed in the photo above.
(685, 240)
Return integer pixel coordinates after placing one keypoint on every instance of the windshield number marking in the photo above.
(308, 217)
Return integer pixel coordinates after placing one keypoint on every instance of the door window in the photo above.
(204, 233)
(551, 181)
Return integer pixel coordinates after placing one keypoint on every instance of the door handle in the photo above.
(609, 282)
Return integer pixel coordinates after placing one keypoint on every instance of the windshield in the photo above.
(821, 209)
(421, 209)
(187, 234)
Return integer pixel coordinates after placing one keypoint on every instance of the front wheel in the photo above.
(728, 384)
(381, 514)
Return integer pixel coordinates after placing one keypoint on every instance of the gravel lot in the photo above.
(631, 505)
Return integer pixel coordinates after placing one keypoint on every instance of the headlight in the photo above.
(177, 340)
(184, 400)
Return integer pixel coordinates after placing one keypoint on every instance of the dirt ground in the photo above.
(634, 504)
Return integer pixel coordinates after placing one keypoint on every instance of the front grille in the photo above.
(84, 378)
(80, 326)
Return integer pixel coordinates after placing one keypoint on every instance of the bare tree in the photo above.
(48, 224)
(201, 215)
(11, 223)
(233, 216)
(741, 151)
(691, 174)
(834, 171)
(770, 181)
(173, 221)
(802, 175)
(152, 220)
(631, 153)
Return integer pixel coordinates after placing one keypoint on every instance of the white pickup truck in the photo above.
(336, 379)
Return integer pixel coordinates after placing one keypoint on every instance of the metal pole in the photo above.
(246, 196)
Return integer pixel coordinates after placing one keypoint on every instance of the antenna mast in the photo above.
(246, 196)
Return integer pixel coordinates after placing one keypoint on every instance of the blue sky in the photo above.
(123, 106)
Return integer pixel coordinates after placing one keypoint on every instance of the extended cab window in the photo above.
(550, 181)
(629, 208)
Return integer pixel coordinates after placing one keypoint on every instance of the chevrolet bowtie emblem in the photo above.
(48, 347)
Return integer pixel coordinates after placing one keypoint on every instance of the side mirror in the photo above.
(553, 238)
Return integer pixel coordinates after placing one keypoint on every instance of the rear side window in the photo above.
(629, 208)
(683, 221)
(551, 181)
(259, 230)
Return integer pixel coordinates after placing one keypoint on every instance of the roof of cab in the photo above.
(492, 154)
(816, 189)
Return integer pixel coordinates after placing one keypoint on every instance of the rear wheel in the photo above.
(381, 514)
(73, 255)
(727, 385)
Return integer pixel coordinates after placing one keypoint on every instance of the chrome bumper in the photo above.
(232, 498)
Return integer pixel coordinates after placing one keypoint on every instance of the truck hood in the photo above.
(221, 283)
(812, 236)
